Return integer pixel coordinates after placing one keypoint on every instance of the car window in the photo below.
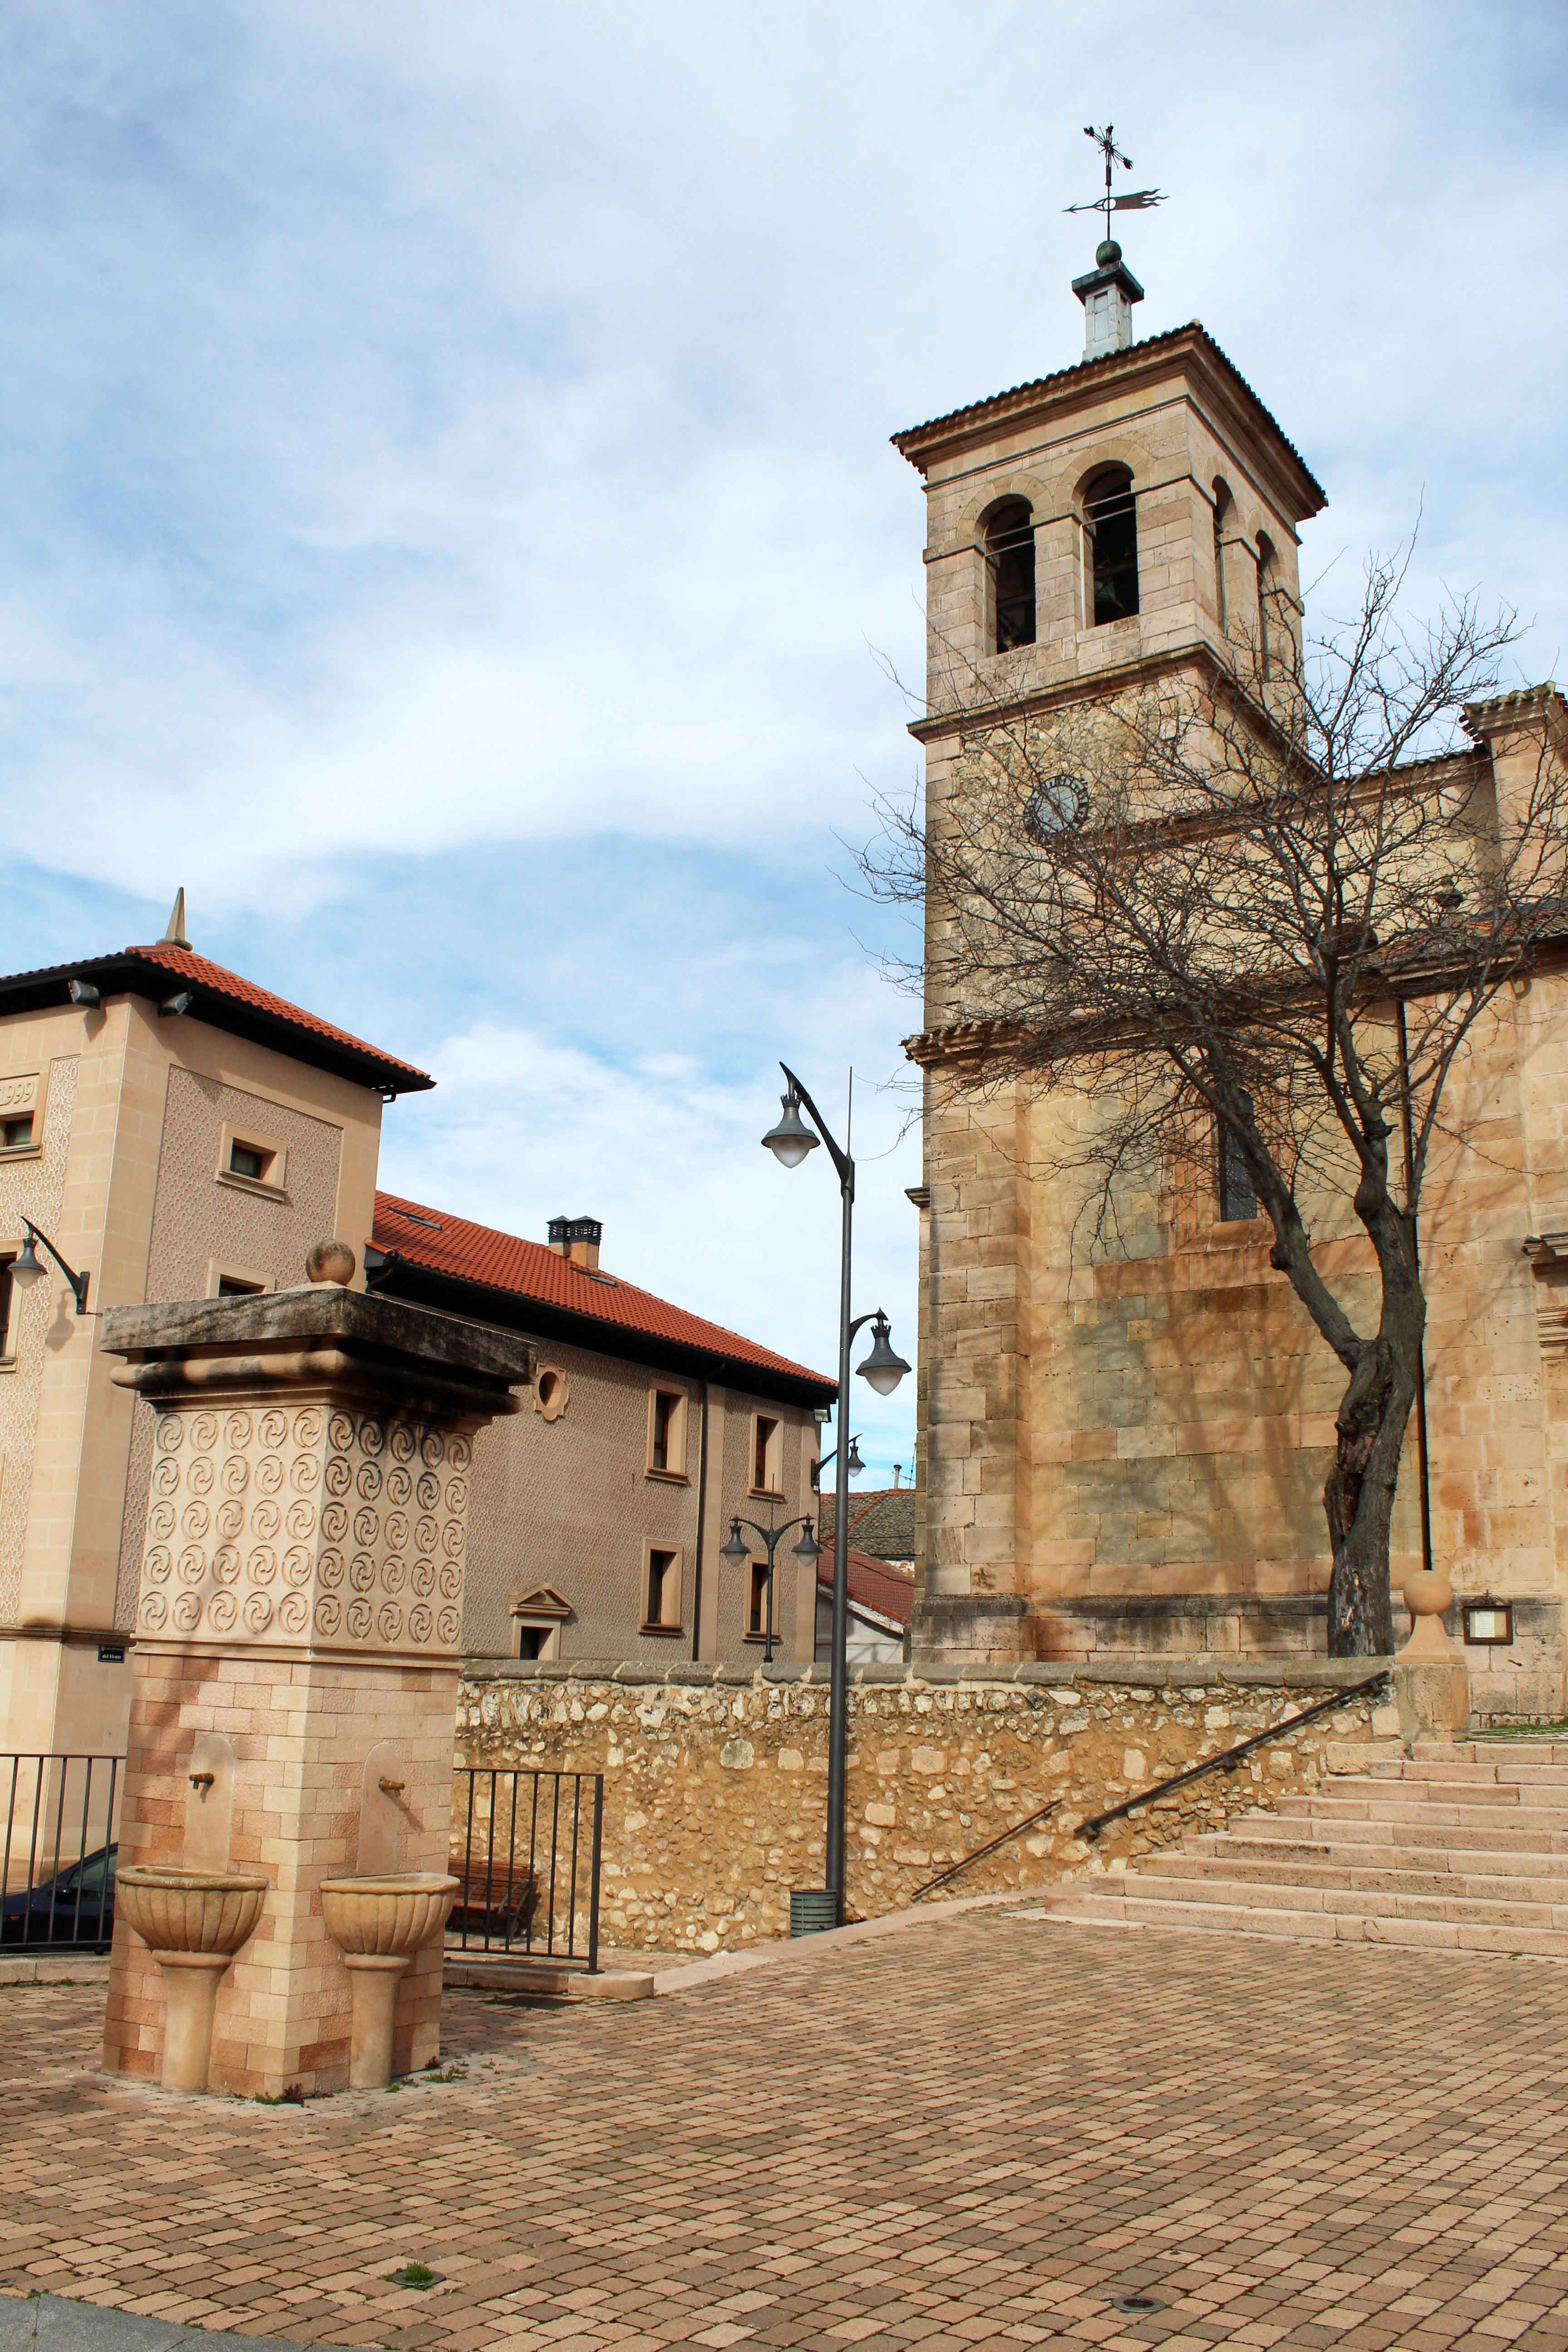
(90, 1879)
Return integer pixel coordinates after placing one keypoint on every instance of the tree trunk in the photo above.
(1358, 1497)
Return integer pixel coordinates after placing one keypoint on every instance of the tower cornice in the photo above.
(1185, 353)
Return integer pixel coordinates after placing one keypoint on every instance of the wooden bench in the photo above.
(494, 1897)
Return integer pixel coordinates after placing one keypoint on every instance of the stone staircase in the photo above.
(1459, 1847)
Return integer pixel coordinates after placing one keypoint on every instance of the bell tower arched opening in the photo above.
(1110, 519)
(1009, 541)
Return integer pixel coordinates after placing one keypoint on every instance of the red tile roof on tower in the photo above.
(224, 998)
(440, 1243)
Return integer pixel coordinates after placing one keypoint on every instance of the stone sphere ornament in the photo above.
(331, 1262)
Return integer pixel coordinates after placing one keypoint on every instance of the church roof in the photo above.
(1110, 365)
(222, 998)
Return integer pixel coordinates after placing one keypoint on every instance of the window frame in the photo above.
(757, 1577)
(10, 1299)
(273, 1185)
(549, 1630)
(1225, 1145)
(771, 1461)
(258, 1279)
(18, 1084)
(672, 1583)
(672, 1470)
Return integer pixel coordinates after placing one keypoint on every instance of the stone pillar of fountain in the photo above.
(302, 1596)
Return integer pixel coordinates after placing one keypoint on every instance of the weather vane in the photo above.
(1138, 200)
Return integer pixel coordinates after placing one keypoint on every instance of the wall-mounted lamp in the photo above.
(82, 992)
(181, 1004)
(1487, 1623)
(26, 1269)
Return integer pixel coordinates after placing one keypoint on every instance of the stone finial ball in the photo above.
(331, 1262)
(1107, 252)
(1427, 1593)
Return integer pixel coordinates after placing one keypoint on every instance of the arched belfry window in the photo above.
(1010, 552)
(1222, 505)
(1111, 512)
(1265, 590)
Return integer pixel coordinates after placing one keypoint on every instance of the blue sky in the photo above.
(449, 525)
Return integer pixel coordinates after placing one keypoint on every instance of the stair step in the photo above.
(1230, 1892)
(1442, 1884)
(1436, 1813)
(1483, 1793)
(1076, 1909)
(1513, 1865)
(1326, 1829)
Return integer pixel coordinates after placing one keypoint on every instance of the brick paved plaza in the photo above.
(980, 2131)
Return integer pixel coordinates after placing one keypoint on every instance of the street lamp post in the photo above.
(806, 1552)
(791, 1141)
(26, 1269)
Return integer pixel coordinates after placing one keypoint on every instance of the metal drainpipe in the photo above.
(1421, 1452)
(702, 1522)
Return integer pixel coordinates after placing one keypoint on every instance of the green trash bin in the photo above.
(811, 1909)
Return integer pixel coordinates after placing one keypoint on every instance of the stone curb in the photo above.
(53, 1968)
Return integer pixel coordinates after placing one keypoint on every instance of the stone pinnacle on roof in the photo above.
(1110, 291)
(174, 932)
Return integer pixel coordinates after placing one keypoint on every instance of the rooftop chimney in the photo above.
(577, 1239)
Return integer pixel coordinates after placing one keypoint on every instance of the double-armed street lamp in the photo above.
(791, 1141)
(806, 1552)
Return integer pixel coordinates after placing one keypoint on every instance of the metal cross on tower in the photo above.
(1136, 200)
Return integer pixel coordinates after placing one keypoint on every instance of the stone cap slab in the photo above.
(318, 1333)
(1318, 1676)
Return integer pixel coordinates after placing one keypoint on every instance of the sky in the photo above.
(447, 520)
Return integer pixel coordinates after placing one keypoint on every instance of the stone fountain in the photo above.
(295, 1680)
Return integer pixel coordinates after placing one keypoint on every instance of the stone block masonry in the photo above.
(716, 1779)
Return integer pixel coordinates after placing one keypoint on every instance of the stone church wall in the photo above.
(716, 1779)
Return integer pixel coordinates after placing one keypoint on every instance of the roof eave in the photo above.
(127, 974)
(543, 1319)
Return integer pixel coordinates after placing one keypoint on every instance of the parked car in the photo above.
(74, 1907)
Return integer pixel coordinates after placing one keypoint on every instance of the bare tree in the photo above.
(1268, 901)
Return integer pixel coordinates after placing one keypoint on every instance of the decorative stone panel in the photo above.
(310, 1526)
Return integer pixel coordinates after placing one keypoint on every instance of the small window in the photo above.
(232, 1286)
(765, 1452)
(17, 1134)
(538, 1641)
(249, 1159)
(662, 1612)
(1010, 552)
(7, 1300)
(1237, 1199)
(1111, 512)
(667, 1434)
(757, 1597)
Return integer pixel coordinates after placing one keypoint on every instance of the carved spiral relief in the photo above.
(291, 1524)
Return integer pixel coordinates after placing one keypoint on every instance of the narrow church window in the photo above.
(1010, 552)
(1221, 516)
(757, 1598)
(1111, 513)
(1265, 590)
(1237, 1198)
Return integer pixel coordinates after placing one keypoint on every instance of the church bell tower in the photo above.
(1124, 518)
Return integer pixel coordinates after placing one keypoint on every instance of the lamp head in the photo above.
(882, 1368)
(789, 1138)
(25, 1267)
(736, 1547)
(855, 1464)
(808, 1551)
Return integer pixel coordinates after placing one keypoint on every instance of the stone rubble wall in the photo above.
(716, 1779)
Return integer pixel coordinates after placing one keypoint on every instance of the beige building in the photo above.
(1126, 1452)
(174, 1132)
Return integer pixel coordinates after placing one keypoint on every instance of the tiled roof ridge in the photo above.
(1106, 362)
(490, 1259)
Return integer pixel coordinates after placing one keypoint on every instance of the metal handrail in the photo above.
(981, 1850)
(1228, 1758)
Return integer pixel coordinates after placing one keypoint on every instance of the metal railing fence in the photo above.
(61, 1823)
(527, 1848)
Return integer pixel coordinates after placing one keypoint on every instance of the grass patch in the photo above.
(416, 2275)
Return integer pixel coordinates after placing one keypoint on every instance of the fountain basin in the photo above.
(194, 1921)
(378, 1923)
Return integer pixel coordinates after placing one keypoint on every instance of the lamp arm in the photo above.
(841, 1160)
(79, 1282)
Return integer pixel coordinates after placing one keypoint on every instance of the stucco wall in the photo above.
(716, 1779)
